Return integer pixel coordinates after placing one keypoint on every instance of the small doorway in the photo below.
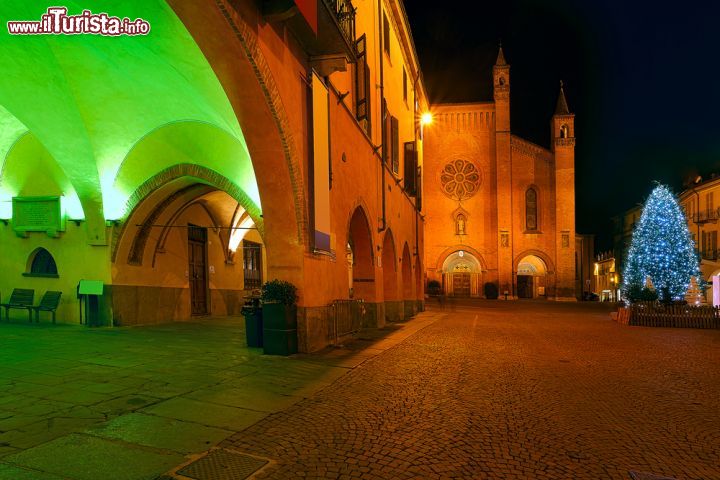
(525, 286)
(531, 277)
(197, 270)
(461, 284)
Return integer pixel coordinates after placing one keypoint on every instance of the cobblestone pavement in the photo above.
(515, 390)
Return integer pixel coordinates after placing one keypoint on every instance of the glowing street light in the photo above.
(426, 118)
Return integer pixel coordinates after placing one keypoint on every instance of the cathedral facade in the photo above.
(500, 209)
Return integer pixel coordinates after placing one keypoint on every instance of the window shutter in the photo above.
(368, 105)
(386, 137)
(386, 34)
(410, 159)
(395, 139)
(405, 85)
(418, 188)
(361, 80)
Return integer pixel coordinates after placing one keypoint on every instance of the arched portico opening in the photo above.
(188, 248)
(462, 274)
(531, 279)
(389, 267)
(361, 269)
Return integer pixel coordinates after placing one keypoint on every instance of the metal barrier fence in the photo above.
(346, 318)
(650, 314)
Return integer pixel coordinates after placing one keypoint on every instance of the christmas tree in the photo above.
(662, 250)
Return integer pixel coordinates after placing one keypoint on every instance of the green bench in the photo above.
(21, 298)
(48, 303)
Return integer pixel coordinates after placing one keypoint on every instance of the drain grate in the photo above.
(223, 465)
(648, 476)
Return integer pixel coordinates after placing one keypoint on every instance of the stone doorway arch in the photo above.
(462, 274)
(531, 279)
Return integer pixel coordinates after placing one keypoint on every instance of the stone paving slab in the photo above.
(205, 413)
(83, 457)
(10, 472)
(161, 432)
(251, 397)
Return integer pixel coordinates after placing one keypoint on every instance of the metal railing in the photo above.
(346, 318)
(709, 254)
(706, 216)
(345, 16)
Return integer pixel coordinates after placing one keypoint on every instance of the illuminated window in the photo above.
(252, 264)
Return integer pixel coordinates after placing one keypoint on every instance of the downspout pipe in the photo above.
(383, 113)
(417, 177)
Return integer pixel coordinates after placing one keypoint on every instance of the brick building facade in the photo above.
(500, 209)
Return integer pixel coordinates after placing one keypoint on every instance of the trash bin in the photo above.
(252, 311)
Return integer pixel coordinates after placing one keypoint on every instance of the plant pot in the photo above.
(280, 342)
(279, 329)
(277, 316)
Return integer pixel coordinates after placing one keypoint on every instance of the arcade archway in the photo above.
(361, 269)
(188, 248)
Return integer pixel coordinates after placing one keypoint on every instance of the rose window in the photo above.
(460, 179)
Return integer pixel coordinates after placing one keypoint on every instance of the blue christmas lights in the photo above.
(662, 249)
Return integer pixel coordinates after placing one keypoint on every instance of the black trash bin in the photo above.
(252, 311)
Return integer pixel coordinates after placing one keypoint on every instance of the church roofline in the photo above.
(468, 105)
(529, 146)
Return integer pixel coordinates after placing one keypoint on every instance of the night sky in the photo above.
(642, 79)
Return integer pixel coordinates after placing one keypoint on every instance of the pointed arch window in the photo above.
(41, 264)
(531, 209)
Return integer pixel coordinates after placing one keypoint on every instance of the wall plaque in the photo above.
(37, 214)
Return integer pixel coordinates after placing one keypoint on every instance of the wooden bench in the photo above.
(48, 303)
(21, 298)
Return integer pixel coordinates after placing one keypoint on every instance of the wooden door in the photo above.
(461, 284)
(197, 269)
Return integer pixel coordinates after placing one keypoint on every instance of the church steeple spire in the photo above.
(562, 106)
(500, 58)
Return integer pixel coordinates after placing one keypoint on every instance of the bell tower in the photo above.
(503, 159)
(501, 92)
(563, 147)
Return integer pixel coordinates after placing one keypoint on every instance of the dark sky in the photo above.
(643, 80)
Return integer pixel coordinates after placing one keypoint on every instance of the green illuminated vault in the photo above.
(92, 118)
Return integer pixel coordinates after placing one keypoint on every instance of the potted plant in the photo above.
(434, 287)
(491, 291)
(279, 317)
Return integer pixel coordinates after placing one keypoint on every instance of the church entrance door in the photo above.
(461, 284)
(525, 286)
